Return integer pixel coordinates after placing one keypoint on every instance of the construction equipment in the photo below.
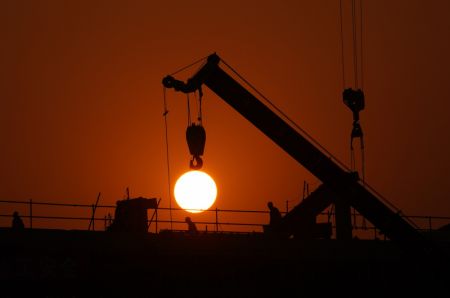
(131, 215)
(342, 187)
(196, 138)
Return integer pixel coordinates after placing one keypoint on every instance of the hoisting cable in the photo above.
(166, 112)
(341, 21)
(363, 159)
(361, 43)
(285, 116)
(199, 106)
(200, 116)
(195, 137)
(361, 72)
(342, 45)
(355, 47)
(189, 122)
(190, 65)
(354, 98)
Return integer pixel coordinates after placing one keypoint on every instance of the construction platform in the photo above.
(62, 263)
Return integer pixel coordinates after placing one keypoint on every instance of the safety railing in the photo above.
(49, 215)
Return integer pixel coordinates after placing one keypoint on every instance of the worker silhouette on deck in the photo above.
(17, 223)
(192, 229)
(275, 215)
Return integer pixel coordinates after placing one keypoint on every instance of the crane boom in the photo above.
(343, 183)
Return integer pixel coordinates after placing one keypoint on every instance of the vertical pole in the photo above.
(156, 219)
(31, 214)
(94, 207)
(217, 220)
(93, 219)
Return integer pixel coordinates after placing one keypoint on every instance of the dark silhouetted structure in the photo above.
(17, 223)
(300, 221)
(196, 138)
(131, 215)
(345, 187)
(192, 229)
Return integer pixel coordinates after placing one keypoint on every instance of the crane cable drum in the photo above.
(354, 99)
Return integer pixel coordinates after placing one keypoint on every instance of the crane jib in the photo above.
(342, 183)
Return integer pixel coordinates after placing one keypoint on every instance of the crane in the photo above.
(339, 186)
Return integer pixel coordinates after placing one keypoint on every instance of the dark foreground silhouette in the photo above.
(17, 223)
(62, 263)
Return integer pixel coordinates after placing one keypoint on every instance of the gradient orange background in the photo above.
(82, 97)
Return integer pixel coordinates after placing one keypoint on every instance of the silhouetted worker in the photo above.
(17, 223)
(275, 215)
(192, 229)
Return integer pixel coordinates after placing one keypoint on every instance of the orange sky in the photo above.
(82, 97)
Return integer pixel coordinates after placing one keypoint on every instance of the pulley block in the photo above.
(354, 99)
(196, 139)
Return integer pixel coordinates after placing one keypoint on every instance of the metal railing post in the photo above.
(93, 218)
(31, 214)
(377, 234)
(217, 220)
(156, 220)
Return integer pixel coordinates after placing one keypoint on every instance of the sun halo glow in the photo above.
(195, 191)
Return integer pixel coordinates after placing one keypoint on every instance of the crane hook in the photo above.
(198, 163)
(196, 138)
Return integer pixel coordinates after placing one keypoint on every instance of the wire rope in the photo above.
(286, 116)
(166, 112)
(342, 45)
(361, 42)
(188, 66)
(355, 47)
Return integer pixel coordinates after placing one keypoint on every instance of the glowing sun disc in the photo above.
(195, 191)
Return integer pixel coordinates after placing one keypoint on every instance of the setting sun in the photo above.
(195, 191)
